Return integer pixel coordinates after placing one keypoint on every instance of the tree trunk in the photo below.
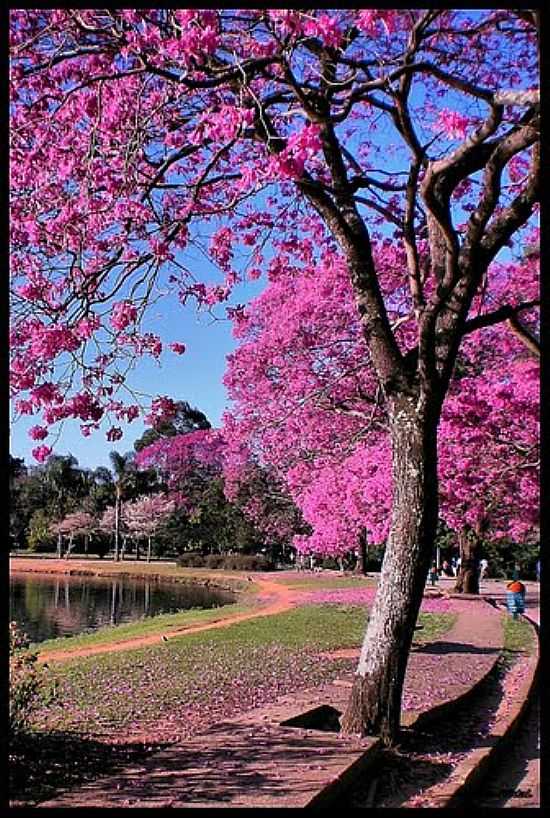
(117, 523)
(469, 543)
(362, 553)
(374, 707)
(114, 593)
(148, 549)
(59, 546)
(70, 548)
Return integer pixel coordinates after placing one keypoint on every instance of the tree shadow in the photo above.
(454, 647)
(43, 764)
(426, 755)
(236, 763)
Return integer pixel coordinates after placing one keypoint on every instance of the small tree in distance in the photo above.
(145, 515)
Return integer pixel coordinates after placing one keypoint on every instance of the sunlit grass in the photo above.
(519, 636)
(210, 674)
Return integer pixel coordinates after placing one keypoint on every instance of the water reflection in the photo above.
(53, 605)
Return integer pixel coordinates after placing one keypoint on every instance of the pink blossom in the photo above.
(454, 124)
(123, 314)
(41, 453)
(38, 432)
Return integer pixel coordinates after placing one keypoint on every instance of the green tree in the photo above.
(186, 419)
(39, 532)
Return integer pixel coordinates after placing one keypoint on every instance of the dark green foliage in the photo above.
(212, 526)
(502, 556)
(228, 562)
(187, 419)
(27, 687)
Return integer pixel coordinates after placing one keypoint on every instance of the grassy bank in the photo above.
(198, 673)
(159, 624)
(168, 571)
(519, 638)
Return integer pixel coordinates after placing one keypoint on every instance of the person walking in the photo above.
(446, 569)
(433, 574)
(483, 566)
(515, 597)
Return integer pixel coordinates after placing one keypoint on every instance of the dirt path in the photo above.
(278, 599)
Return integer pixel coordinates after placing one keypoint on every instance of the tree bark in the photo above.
(117, 523)
(469, 543)
(374, 707)
(362, 553)
(148, 549)
(70, 548)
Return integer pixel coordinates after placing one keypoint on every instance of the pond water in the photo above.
(51, 605)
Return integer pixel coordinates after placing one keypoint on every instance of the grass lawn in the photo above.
(324, 582)
(519, 638)
(161, 623)
(200, 677)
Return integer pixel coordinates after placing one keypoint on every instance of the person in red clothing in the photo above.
(516, 587)
(515, 597)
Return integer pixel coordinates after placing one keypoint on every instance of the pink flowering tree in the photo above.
(262, 496)
(219, 509)
(185, 459)
(302, 403)
(489, 452)
(145, 515)
(113, 523)
(138, 133)
(314, 418)
(77, 524)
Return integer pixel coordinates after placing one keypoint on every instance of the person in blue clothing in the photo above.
(537, 569)
(433, 574)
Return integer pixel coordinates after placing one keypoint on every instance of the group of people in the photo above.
(451, 569)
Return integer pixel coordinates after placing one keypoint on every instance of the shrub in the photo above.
(27, 689)
(191, 559)
(215, 561)
(228, 562)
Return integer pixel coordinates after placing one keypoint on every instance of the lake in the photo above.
(51, 605)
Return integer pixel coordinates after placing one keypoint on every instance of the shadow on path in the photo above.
(43, 764)
(454, 647)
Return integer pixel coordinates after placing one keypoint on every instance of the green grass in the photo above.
(209, 674)
(433, 626)
(233, 580)
(519, 636)
(176, 689)
(320, 582)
